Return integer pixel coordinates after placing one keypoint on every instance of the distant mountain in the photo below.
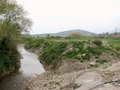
(67, 33)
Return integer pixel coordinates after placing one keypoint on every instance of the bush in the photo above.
(97, 42)
(51, 53)
(9, 57)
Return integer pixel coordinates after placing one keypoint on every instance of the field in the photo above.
(54, 51)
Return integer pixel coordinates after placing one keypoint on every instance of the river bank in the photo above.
(106, 77)
(76, 65)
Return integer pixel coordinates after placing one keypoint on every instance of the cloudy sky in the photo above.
(61, 15)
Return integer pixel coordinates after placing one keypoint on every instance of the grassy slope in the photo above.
(53, 51)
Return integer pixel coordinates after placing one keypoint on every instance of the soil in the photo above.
(74, 75)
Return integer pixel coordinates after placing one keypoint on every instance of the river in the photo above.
(30, 66)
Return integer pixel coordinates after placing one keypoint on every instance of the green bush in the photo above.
(34, 43)
(51, 53)
(9, 57)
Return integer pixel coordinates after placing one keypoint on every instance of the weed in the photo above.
(54, 51)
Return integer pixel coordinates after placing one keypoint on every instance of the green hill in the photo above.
(67, 33)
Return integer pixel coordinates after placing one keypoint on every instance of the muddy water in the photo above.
(30, 66)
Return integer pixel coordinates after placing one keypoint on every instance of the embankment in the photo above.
(65, 61)
(55, 53)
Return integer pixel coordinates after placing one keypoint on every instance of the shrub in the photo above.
(9, 57)
(98, 42)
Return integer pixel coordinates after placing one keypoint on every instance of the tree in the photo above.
(13, 19)
(48, 35)
(75, 34)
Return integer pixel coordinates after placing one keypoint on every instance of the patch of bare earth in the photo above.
(74, 75)
(49, 81)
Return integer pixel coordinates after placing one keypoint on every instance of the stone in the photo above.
(92, 63)
(89, 80)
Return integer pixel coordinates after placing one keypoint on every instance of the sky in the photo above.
(51, 16)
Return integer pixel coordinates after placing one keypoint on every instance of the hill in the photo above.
(67, 33)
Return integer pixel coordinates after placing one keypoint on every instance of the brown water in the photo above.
(30, 66)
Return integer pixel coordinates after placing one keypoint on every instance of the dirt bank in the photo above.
(77, 66)
(76, 76)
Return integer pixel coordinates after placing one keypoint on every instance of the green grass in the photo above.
(54, 50)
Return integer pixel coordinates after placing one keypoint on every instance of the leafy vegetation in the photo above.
(9, 57)
(53, 51)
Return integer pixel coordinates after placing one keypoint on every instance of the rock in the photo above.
(69, 47)
(89, 80)
(92, 63)
(76, 86)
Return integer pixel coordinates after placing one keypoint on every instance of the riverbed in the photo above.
(30, 66)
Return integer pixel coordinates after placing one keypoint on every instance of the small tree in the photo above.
(75, 34)
(48, 35)
(14, 20)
